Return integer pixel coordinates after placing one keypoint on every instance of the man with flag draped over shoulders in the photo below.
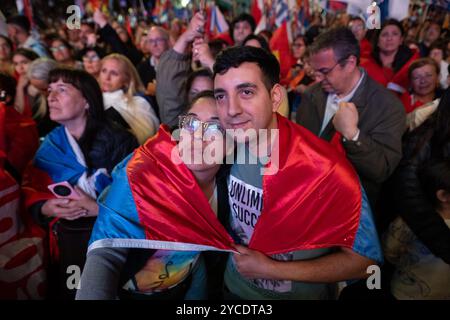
(299, 216)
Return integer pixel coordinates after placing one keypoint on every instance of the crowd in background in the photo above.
(74, 103)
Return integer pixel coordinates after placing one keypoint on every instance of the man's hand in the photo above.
(100, 18)
(195, 28)
(63, 208)
(253, 264)
(345, 120)
(202, 53)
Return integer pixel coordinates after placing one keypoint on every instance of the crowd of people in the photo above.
(358, 130)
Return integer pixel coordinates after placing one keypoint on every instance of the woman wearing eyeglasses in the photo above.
(122, 95)
(62, 52)
(423, 99)
(163, 178)
(91, 58)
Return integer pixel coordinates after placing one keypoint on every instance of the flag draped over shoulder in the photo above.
(313, 201)
(59, 159)
(156, 203)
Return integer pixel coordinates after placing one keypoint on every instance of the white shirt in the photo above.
(138, 113)
(444, 74)
(333, 103)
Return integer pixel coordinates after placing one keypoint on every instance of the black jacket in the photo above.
(109, 146)
(413, 205)
(110, 36)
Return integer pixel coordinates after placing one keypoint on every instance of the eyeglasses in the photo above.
(422, 77)
(54, 49)
(298, 45)
(192, 124)
(155, 41)
(90, 58)
(326, 71)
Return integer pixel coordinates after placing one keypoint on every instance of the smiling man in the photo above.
(369, 119)
(306, 227)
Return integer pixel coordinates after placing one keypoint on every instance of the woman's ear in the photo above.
(277, 96)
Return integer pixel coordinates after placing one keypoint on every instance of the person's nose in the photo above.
(234, 107)
(198, 133)
(51, 96)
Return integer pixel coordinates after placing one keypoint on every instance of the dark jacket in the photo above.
(108, 147)
(110, 36)
(382, 123)
(412, 203)
(146, 71)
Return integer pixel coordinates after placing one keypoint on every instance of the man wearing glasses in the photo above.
(369, 119)
(156, 42)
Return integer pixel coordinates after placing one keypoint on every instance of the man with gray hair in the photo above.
(369, 119)
(156, 42)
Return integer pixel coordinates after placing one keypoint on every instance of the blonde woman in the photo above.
(121, 85)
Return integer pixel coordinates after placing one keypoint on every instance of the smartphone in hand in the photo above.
(63, 190)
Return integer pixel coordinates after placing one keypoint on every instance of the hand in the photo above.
(202, 53)
(151, 88)
(91, 40)
(100, 18)
(346, 119)
(196, 27)
(62, 208)
(23, 82)
(87, 203)
(253, 264)
(301, 88)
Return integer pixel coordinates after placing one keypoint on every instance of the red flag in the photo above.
(171, 207)
(170, 204)
(279, 44)
(320, 211)
(257, 10)
(22, 273)
(21, 138)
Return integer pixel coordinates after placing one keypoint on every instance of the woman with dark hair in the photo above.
(256, 41)
(198, 81)
(81, 153)
(91, 57)
(6, 48)
(429, 142)
(390, 59)
(131, 267)
(62, 52)
(25, 95)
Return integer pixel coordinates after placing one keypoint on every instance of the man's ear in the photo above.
(443, 196)
(277, 96)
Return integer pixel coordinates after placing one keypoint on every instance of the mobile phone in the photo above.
(64, 190)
